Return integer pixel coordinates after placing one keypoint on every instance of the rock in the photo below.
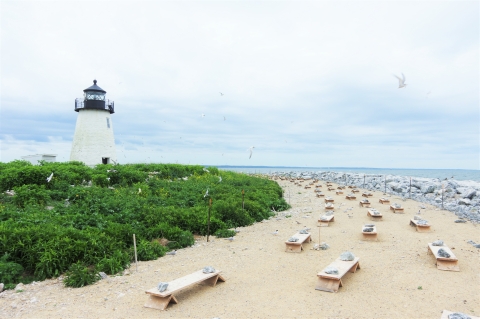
(437, 243)
(464, 201)
(1, 287)
(428, 188)
(469, 193)
(460, 221)
(331, 270)
(103, 275)
(477, 246)
(20, 286)
(438, 200)
(347, 256)
(162, 286)
(458, 315)
(208, 270)
(443, 253)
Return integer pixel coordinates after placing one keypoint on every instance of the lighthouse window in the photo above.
(108, 122)
(95, 96)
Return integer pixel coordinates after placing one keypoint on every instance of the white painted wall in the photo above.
(34, 159)
(93, 139)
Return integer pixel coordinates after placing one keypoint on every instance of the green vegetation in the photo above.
(82, 221)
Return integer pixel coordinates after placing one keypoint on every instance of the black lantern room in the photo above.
(94, 98)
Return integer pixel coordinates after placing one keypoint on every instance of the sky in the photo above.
(306, 83)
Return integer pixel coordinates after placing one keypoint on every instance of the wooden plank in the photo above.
(325, 220)
(370, 235)
(297, 246)
(373, 216)
(183, 282)
(342, 266)
(450, 264)
(397, 210)
(160, 303)
(420, 228)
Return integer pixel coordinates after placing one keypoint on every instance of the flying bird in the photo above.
(251, 151)
(224, 118)
(401, 81)
(206, 170)
(221, 94)
(203, 115)
(49, 178)
(219, 179)
(206, 194)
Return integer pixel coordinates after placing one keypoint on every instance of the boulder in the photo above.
(428, 188)
(464, 201)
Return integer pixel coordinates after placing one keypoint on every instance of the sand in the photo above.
(397, 279)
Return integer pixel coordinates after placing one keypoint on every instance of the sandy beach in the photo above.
(397, 279)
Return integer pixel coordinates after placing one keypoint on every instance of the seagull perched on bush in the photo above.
(49, 178)
(401, 81)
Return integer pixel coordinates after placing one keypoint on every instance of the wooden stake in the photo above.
(135, 249)
(243, 199)
(208, 226)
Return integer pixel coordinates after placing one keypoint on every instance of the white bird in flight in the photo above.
(219, 179)
(203, 115)
(221, 94)
(206, 170)
(251, 151)
(49, 178)
(206, 194)
(401, 81)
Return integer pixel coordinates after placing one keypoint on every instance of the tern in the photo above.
(49, 178)
(401, 81)
(275, 232)
(251, 151)
(230, 238)
(173, 252)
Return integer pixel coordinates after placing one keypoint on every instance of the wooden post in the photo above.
(385, 185)
(243, 199)
(135, 250)
(443, 187)
(208, 225)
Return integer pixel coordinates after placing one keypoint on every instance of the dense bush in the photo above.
(10, 272)
(84, 218)
(79, 275)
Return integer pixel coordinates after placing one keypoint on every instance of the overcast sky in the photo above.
(307, 83)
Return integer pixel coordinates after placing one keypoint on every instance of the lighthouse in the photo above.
(93, 141)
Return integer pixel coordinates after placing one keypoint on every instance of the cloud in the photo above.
(303, 82)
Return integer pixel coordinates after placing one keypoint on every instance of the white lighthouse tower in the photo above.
(93, 142)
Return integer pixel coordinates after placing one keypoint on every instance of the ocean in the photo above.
(457, 174)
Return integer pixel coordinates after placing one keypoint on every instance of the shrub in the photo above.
(150, 250)
(79, 275)
(118, 262)
(225, 233)
(10, 272)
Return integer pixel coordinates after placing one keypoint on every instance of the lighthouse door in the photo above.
(105, 160)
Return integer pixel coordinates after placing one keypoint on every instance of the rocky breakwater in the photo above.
(459, 197)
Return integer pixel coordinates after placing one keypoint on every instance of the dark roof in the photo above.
(95, 87)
